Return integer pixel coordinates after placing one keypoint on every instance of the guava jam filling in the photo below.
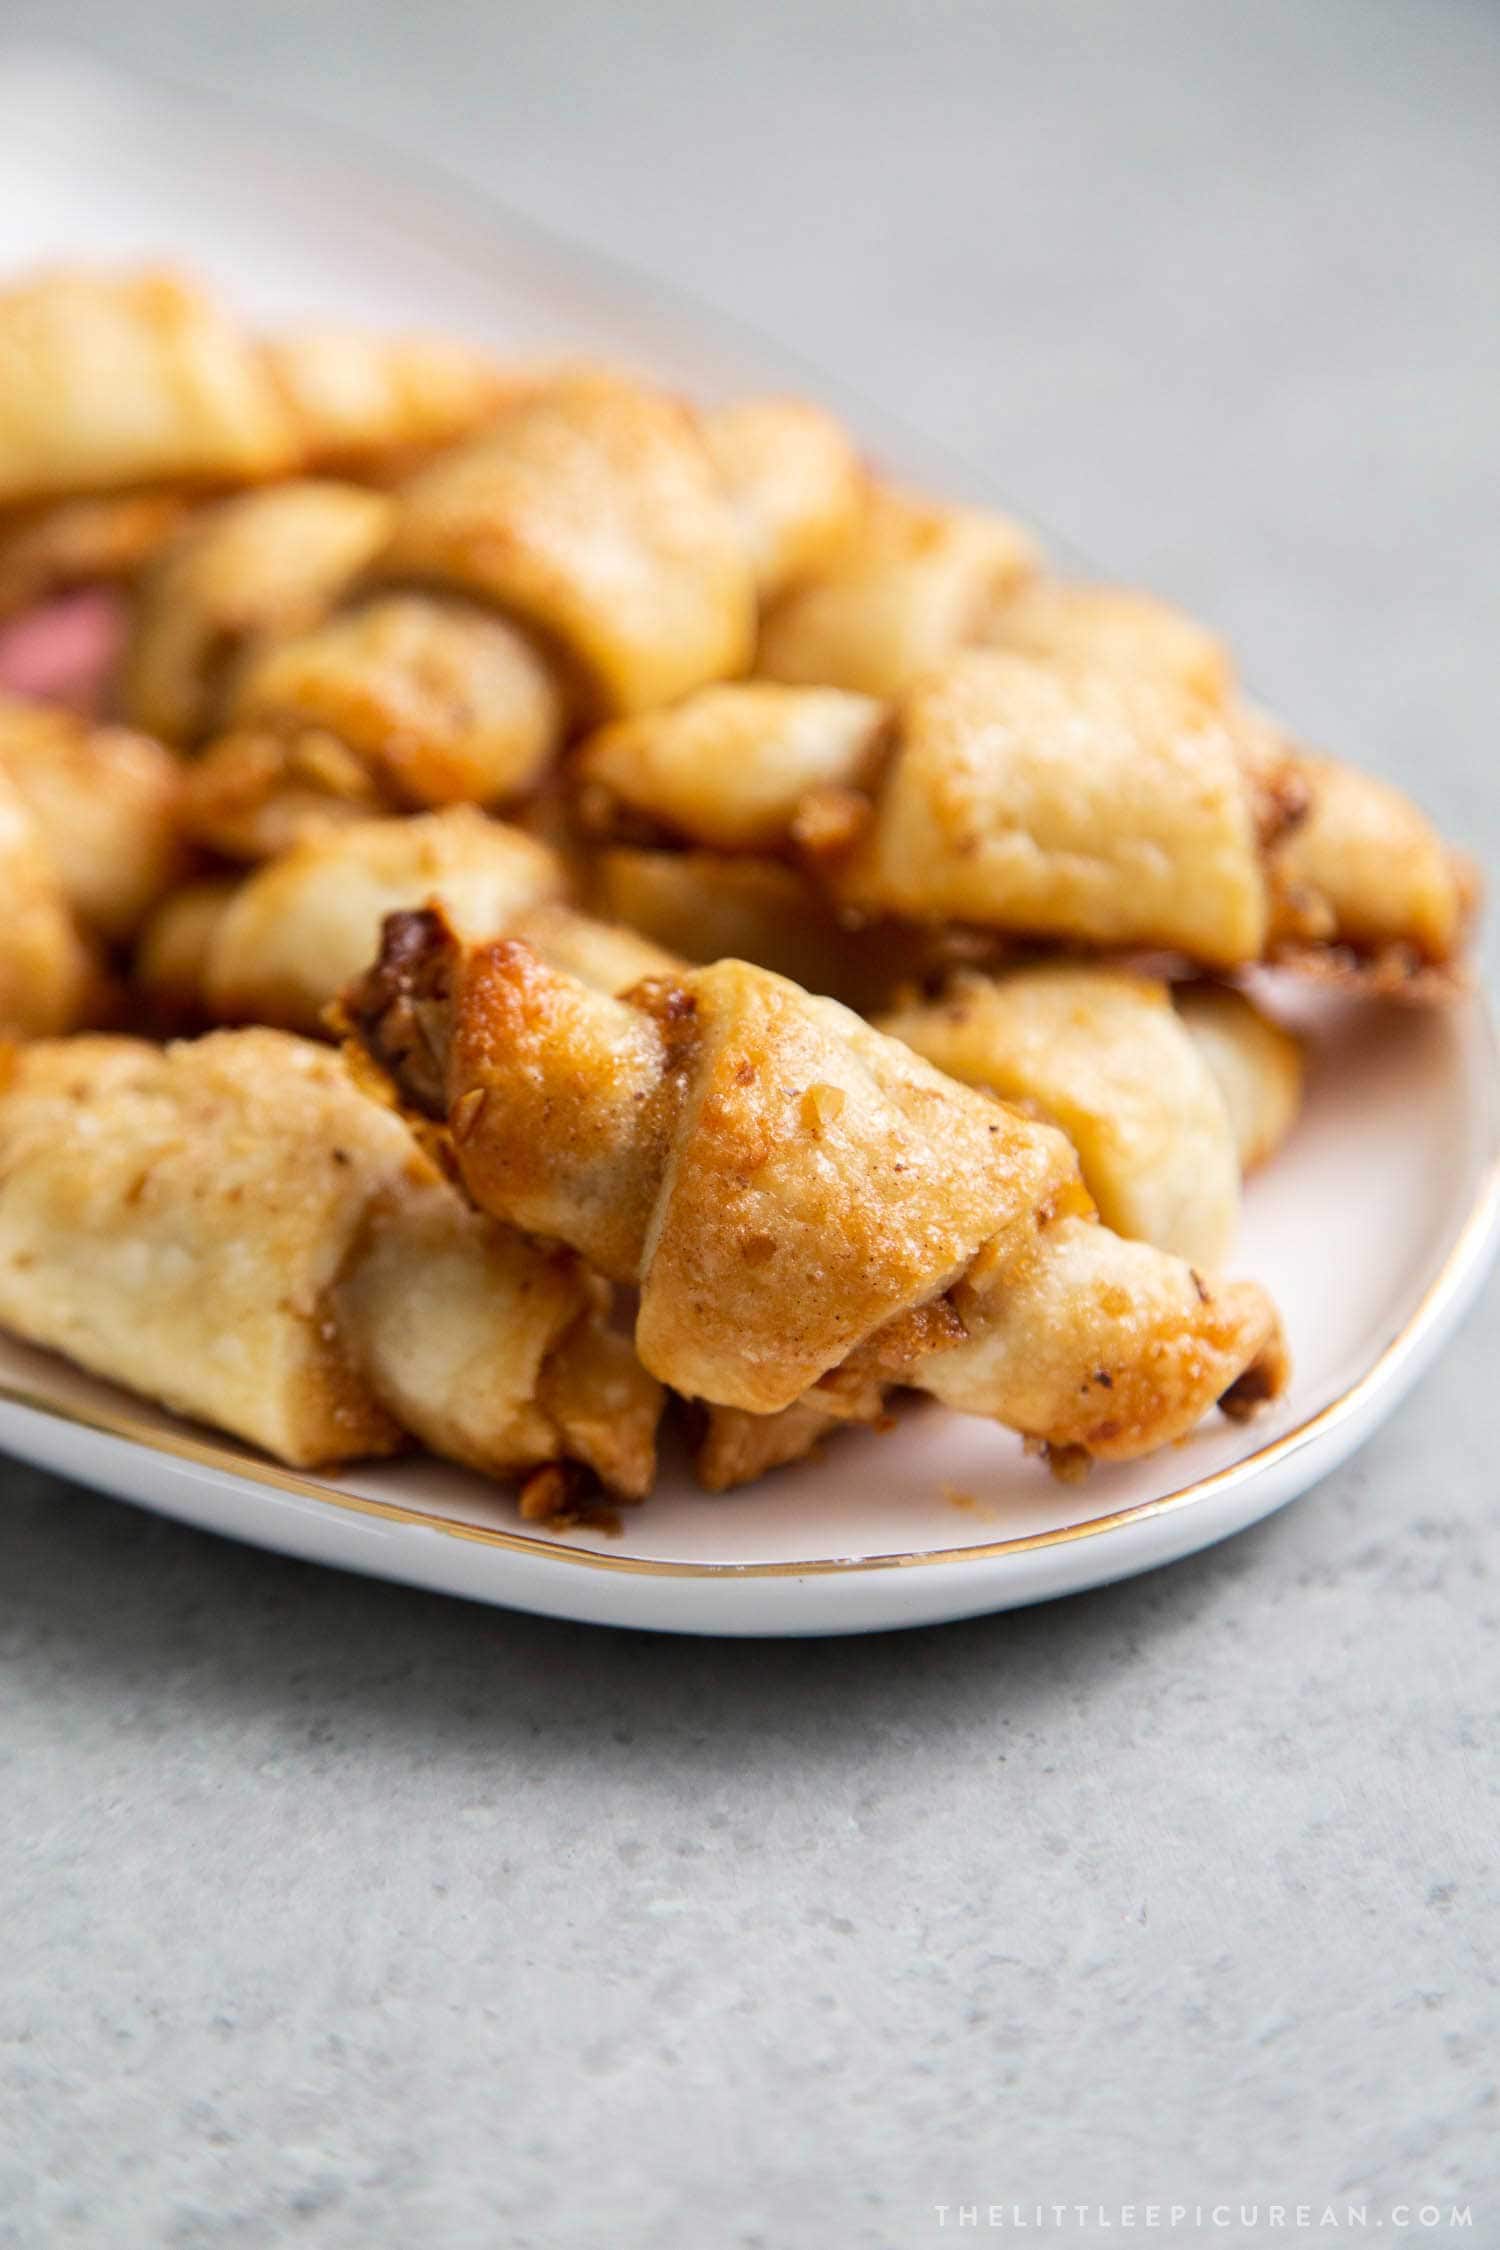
(65, 650)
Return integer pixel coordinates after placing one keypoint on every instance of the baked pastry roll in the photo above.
(731, 766)
(406, 701)
(1257, 1065)
(1104, 1054)
(1368, 892)
(106, 808)
(232, 1228)
(709, 906)
(257, 566)
(582, 549)
(915, 583)
(1091, 807)
(281, 945)
(360, 403)
(1080, 627)
(795, 482)
(597, 547)
(48, 972)
(808, 1209)
(1258, 1069)
(591, 512)
(111, 380)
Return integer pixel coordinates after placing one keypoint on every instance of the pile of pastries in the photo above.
(535, 907)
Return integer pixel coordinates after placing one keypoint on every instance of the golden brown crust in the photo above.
(107, 807)
(1101, 1053)
(735, 1448)
(111, 380)
(795, 482)
(800, 1199)
(1050, 802)
(48, 972)
(279, 947)
(911, 587)
(230, 1227)
(591, 511)
(1089, 808)
(706, 906)
(731, 767)
(441, 702)
(254, 793)
(1079, 627)
(1366, 874)
(250, 569)
(359, 402)
(1106, 1346)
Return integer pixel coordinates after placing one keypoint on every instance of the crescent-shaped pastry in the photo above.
(598, 548)
(1257, 1064)
(1168, 1101)
(592, 512)
(1080, 627)
(914, 583)
(360, 403)
(278, 947)
(108, 381)
(731, 765)
(257, 566)
(795, 482)
(1089, 806)
(106, 805)
(804, 1204)
(405, 701)
(1103, 1054)
(706, 906)
(230, 1227)
(48, 972)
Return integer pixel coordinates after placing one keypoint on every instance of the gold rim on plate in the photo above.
(1467, 1248)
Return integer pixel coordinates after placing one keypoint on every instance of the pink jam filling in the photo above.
(65, 650)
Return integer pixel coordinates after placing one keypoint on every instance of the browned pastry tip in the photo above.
(808, 1210)
(397, 1011)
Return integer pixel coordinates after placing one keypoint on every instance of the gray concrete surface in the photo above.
(336, 1915)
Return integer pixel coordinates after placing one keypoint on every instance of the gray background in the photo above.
(334, 1914)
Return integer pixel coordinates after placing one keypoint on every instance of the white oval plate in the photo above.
(1373, 1228)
